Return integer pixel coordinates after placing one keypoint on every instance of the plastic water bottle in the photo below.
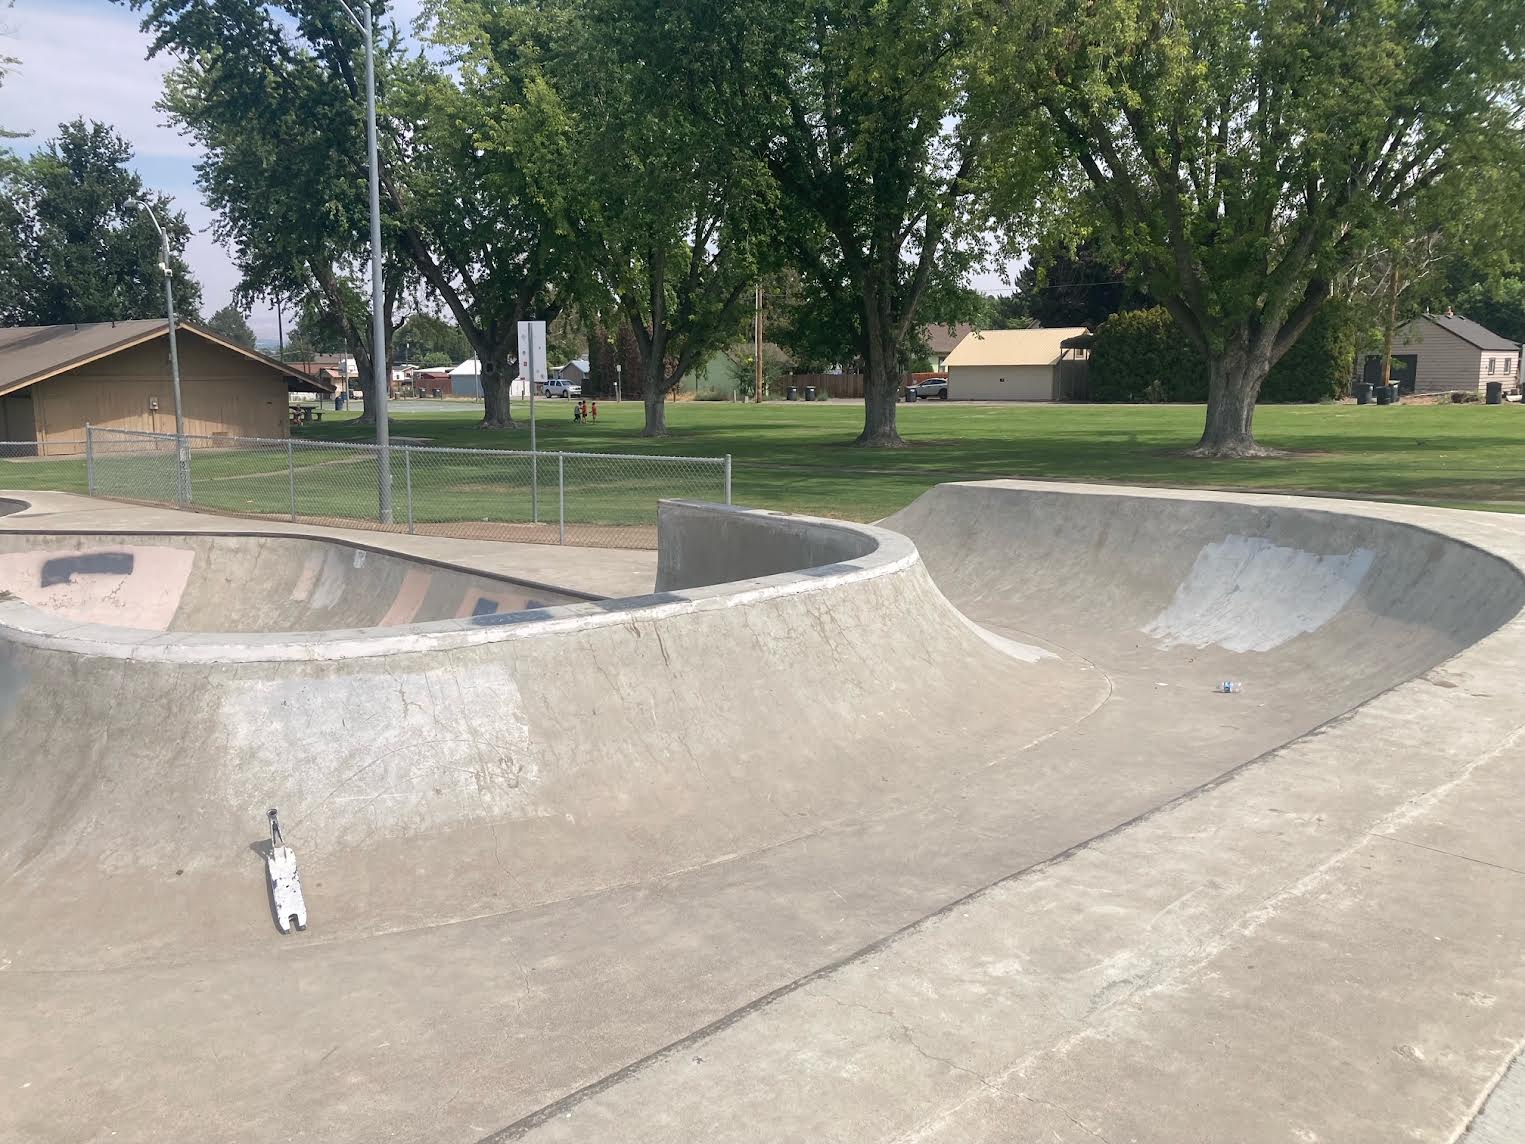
(1230, 687)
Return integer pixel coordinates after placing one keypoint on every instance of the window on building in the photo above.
(1491, 363)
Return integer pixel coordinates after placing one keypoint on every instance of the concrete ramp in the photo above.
(433, 771)
(247, 583)
(1338, 605)
(938, 830)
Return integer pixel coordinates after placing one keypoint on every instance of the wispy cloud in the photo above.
(85, 59)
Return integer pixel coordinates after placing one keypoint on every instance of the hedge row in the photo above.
(1142, 355)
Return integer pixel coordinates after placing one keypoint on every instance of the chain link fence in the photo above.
(41, 450)
(604, 500)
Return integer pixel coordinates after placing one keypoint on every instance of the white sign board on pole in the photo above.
(532, 365)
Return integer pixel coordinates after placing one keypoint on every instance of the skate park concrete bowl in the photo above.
(247, 583)
(940, 829)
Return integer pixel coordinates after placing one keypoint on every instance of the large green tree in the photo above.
(427, 340)
(273, 94)
(861, 111)
(78, 244)
(667, 222)
(273, 91)
(470, 211)
(1245, 153)
(1079, 284)
(231, 324)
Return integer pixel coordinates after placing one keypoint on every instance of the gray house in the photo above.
(1444, 353)
(575, 370)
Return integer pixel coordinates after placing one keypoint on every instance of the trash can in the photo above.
(791, 394)
(910, 394)
(339, 400)
(1384, 395)
(1363, 392)
(810, 393)
(1495, 393)
(1397, 395)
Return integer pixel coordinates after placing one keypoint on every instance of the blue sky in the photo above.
(87, 58)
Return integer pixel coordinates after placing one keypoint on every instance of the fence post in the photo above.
(727, 478)
(89, 458)
(407, 466)
(291, 477)
(561, 491)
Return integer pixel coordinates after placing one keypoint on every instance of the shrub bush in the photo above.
(1142, 356)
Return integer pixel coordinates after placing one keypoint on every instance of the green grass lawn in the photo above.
(799, 457)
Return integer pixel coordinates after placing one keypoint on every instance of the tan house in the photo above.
(1445, 353)
(1010, 365)
(54, 380)
(941, 341)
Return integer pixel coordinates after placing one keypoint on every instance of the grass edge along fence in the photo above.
(604, 500)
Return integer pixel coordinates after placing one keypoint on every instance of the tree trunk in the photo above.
(881, 381)
(654, 380)
(365, 375)
(656, 413)
(654, 387)
(1234, 379)
(1389, 325)
(497, 385)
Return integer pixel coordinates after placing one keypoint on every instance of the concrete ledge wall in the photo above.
(703, 544)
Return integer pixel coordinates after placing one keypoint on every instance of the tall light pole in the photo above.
(182, 448)
(378, 331)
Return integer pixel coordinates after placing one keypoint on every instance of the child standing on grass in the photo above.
(595, 411)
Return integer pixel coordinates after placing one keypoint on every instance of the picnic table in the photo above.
(305, 414)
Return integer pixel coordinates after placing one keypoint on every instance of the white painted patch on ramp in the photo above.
(1027, 653)
(1245, 593)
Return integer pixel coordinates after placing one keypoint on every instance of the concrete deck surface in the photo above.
(813, 858)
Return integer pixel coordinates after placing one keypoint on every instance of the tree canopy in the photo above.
(77, 244)
(231, 324)
(1242, 155)
(866, 117)
(645, 164)
(1073, 285)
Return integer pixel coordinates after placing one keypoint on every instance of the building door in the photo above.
(17, 423)
(1404, 371)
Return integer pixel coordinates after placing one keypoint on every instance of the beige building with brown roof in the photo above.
(1009, 365)
(1445, 353)
(54, 380)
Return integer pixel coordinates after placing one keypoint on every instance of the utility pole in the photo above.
(182, 447)
(757, 345)
(378, 329)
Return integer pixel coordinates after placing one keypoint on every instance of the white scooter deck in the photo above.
(285, 882)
